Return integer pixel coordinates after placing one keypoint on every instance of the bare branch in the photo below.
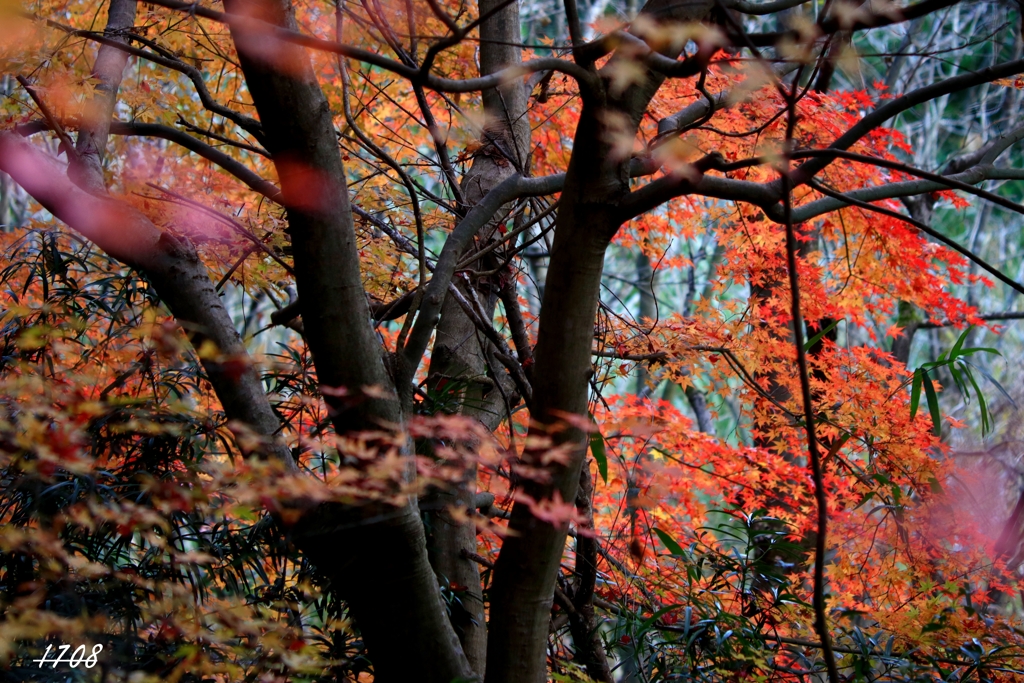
(833, 24)
(762, 9)
(910, 170)
(907, 188)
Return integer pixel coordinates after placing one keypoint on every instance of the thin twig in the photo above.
(175, 198)
(51, 120)
(820, 621)
(920, 226)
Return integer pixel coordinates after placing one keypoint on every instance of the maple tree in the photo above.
(433, 341)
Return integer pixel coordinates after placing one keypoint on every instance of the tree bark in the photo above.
(583, 622)
(461, 357)
(595, 183)
(108, 70)
(374, 555)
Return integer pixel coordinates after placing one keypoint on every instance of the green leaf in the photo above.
(915, 392)
(646, 625)
(933, 405)
(973, 350)
(817, 338)
(955, 351)
(959, 380)
(600, 454)
(986, 422)
(994, 382)
(867, 496)
(670, 543)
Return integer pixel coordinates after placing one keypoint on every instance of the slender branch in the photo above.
(506, 239)
(923, 228)
(51, 121)
(413, 74)
(897, 106)
(382, 155)
(237, 227)
(502, 353)
(198, 130)
(429, 313)
(910, 170)
(250, 125)
(239, 170)
(443, 16)
(634, 357)
(158, 130)
(381, 310)
(806, 212)
(440, 148)
(400, 240)
(821, 500)
(991, 317)
(516, 324)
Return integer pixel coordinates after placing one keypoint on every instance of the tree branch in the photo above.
(891, 108)
(991, 317)
(250, 125)
(909, 188)
(434, 293)
(416, 75)
(814, 456)
(831, 23)
(910, 170)
(762, 9)
(923, 228)
(170, 263)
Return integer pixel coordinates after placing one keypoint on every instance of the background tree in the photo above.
(265, 418)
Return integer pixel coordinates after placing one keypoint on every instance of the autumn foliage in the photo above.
(140, 512)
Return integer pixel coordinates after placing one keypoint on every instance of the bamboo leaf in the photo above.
(933, 404)
(817, 338)
(670, 543)
(598, 450)
(986, 422)
(955, 351)
(915, 392)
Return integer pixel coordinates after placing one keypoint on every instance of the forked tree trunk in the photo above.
(374, 556)
(588, 217)
(461, 357)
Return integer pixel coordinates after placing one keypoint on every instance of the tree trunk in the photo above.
(645, 276)
(583, 622)
(461, 357)
(524, 577)
(108, 70)
(588, 217)
(374, 555)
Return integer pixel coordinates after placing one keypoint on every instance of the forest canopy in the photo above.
(511, 341)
